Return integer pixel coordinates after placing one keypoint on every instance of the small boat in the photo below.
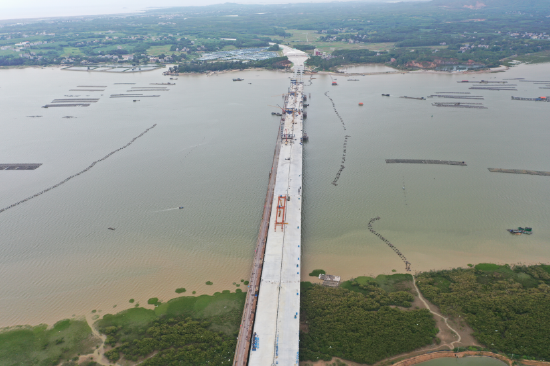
(361, 104)
(181, 207)
(353, 79)
(111, 228)
(334, 83)
(276, 114)
(385, 95)
(238, 79)
(521, 230)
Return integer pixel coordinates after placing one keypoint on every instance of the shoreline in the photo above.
(501, 68)
(451, 354)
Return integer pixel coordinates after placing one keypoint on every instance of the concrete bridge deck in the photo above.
(274, 339)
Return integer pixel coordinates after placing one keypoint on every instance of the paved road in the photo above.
(295, 56)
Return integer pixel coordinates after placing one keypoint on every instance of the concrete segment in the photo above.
(277, 320)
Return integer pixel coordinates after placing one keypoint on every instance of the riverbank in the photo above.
(501, 68)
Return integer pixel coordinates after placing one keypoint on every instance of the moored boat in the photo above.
(521, 230)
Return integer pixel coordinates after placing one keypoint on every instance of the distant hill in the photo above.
(494, 4)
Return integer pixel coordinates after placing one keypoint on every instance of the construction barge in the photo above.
(419, 161)
(519, 171)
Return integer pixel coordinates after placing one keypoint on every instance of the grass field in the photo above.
(302, 36)
(157, 50)
(533, 58)
(7, 53)
(44, 347)
(71, 51)
(229, 48)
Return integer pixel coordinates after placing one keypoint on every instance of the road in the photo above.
(295, 56)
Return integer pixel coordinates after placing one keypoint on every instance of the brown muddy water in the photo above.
(211, 152)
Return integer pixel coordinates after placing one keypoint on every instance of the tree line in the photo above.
(508, 307)
(360, 327)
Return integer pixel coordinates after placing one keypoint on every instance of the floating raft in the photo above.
(148, 90)
(417, 98)
(416, 161)
(518, 171)
(459, 105)
(489, 88)
(479, 97)
(19, 166)
(538, 99)
(67, 105)
(452, 93)
(134, 96)
(482, 82)
(77, 100)
(455, 103)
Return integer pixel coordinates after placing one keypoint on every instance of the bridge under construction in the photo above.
(269, 333)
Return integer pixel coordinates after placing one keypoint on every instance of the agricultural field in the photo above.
(158, 50)
(71, 51)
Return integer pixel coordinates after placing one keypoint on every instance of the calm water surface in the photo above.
(211, 153)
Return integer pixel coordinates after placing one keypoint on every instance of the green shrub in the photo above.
(317, 272)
